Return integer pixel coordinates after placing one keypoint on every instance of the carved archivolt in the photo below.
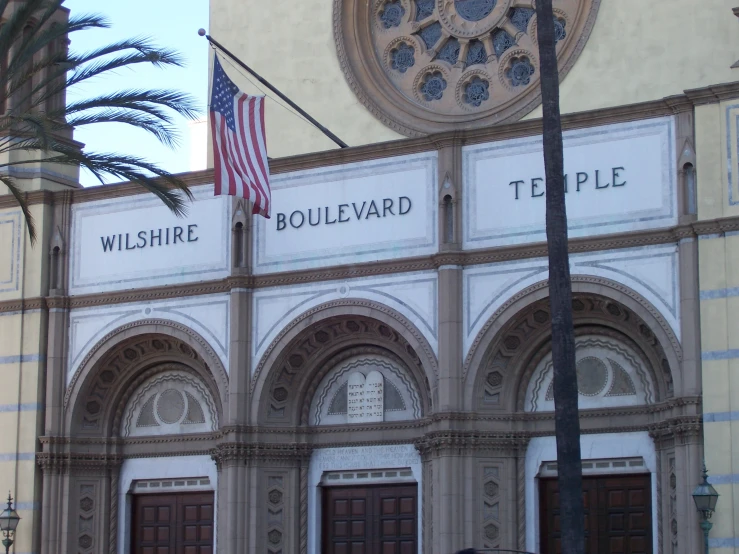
(297, 359)
(96, 402)
(424, 66)
(169, 329)
(305, 361)
(522, 348)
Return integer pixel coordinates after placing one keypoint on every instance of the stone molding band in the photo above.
(667, 106)
(427, 263)
(300, 448)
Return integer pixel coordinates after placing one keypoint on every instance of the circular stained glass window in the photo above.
(424, 66)
(474, 10)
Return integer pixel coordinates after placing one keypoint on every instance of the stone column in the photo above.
(85, 520)
(231, 457)
(54, 477)
(444, 498)
(450, 290)
(233, 489)
(679, 456)
(240, 331)
(52, 505)
(691, 374)
(239, 382)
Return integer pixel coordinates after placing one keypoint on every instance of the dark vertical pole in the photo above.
(269, 85)
(567, 423)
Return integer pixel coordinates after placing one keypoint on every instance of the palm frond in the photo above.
(165, 133)
(27, 43)
(150, 101)
(168, 187)
(39, 71)
(17, 21)
(18, 195)
(127, 53)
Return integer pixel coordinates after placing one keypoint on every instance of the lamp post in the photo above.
(9, 519)
(705, 498)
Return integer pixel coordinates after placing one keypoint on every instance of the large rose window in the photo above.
(426, 66)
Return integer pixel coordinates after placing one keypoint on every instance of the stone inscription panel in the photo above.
(374, 393)
(136, 242)
(355, 398)
(366, 457)
(618, 178)
(360, 212)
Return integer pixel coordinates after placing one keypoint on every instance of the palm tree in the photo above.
(566, 419)
(36, 122)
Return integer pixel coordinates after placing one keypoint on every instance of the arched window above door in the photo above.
(365, 389)
(609, 374)
(170, 403)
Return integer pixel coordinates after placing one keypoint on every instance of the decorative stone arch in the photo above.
(506, 350)
(311, 344)
(125, 358)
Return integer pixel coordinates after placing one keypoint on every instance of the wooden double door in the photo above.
(173, 524)
(380, 519)
(618, 515)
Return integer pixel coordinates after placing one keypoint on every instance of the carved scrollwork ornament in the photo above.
(404, 59)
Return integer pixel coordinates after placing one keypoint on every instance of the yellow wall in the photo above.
(22, 359)
(638, 51)
(716, 137)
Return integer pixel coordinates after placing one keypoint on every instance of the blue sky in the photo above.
(171, 23)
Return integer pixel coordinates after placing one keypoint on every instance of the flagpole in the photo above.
(267, 84)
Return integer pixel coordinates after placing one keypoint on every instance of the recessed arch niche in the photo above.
(126, 360)
(290, 373)
(500, 380)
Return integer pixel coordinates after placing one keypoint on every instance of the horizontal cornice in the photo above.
(370, 269)
(712, 94)
(32, 198)
(667, 419)
(670, 105)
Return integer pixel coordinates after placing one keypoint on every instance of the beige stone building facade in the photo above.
(369, 370)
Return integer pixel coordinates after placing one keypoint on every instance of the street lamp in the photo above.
(9, 519)
(705, 497)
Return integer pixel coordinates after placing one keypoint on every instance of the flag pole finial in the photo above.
(201, 32)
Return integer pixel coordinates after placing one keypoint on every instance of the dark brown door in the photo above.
(173, 524)
(618, 515)
(370, 520)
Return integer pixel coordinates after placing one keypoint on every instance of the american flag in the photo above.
(239, 143)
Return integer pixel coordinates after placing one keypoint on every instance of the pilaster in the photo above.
(236, 413)
(679, 456)
(690, 313)
(450, 278)
(58, 324)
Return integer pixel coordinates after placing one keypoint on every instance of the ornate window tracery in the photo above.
(424, 9)
(392, 14)
(609, 374)
(169, 403)
(403, 57)
(457, 34)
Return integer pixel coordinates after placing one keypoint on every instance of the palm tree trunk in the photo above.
(566, 421)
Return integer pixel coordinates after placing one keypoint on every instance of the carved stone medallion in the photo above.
(425, 66)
